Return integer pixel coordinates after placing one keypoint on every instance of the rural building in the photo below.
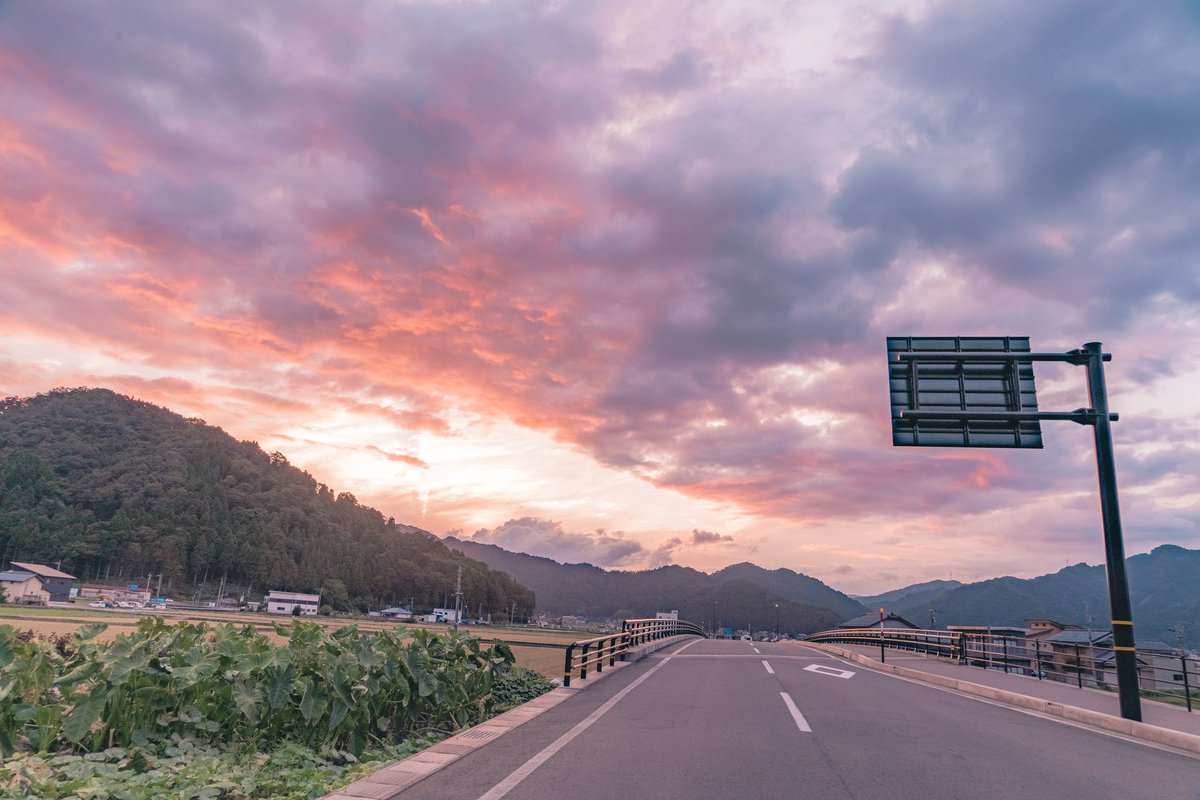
(115, 593)
(446, 615)
(871, 620)
(54, 581)
(402, 614)
(666, 614)
(23, 588)
(284, 602)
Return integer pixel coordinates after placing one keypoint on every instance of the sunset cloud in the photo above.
(669, 244)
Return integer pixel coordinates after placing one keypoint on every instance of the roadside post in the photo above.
(882, 652)
(978, 391)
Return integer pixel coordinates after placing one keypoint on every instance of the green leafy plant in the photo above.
(232, 685)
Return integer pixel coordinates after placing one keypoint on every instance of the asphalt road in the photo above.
(729, 719)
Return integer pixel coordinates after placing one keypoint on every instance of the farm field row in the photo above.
(64, 620)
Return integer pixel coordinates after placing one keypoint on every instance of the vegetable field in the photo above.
(164, 704)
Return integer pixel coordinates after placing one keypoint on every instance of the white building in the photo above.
(283, 602)
(673, 614)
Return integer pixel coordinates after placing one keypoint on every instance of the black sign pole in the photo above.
(1114, 546)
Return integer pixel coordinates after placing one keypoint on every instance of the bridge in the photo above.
(705, 719)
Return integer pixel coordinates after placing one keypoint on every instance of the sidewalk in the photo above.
(1162, 723)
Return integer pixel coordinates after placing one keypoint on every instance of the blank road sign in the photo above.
(944, 384)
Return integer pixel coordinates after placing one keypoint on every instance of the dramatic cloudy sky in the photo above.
(610, 281)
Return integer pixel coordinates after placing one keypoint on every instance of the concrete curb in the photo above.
(1096, 719)
(641, 651)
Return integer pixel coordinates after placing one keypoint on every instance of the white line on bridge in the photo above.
(757, 650)
(768, 666)
(522, 772)
(801, 722)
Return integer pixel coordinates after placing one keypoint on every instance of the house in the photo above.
(1045, 628)
(673, 614)
(446, 615)
(287, 602)
(1159, 667)
(1074, 653)
(871, 620)
(130, 593)
(998, 646)
(23, 588)
(54, 581)
(401, 614)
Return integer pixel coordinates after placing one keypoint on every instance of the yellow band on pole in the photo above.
(1122, 622)
(1126, 649)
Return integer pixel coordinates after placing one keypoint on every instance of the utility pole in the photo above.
(457, 599)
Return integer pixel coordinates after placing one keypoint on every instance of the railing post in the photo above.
(568, 664)
(583, 657)
(1187, 691)
(1004, 644)
(1037, 649)
(1078, 667)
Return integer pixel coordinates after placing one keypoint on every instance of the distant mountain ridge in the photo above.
(1164, 588)
(912, 595)
(745, 595)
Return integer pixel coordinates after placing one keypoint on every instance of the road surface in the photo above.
(714, 720)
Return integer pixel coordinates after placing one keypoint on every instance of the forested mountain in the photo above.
(120, 489)
(1164, 588)
(794, 586)
(909, 596)
(745, 595)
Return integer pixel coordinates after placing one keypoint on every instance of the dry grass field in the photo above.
(62, 620)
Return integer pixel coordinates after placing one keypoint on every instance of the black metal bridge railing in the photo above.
(1168, 676)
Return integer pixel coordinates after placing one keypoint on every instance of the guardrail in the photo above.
(1168, 676)
(593, 653)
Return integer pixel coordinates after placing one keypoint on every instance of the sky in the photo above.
(611, 281)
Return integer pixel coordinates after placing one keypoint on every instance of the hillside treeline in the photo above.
(114, 488)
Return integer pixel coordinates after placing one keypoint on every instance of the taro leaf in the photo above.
(23, 712)
(313, 703)
(85, 632)
(337, 713)
(427, 684)
(279, 687)
(81, 673)
(247, 702)
(85, 714)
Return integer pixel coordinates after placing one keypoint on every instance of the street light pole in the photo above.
(1114, 547)
(714, 628)
(777, 620)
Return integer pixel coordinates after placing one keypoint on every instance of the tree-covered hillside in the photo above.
(116, 488)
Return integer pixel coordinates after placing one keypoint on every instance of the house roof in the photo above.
(18, 576)
(871, 620)
(1079, 637)
(42, 570)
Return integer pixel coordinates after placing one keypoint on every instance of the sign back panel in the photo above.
(962, 386)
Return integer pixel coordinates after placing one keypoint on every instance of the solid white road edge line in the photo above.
(768, 666)
(522, 772)
(801, 722)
